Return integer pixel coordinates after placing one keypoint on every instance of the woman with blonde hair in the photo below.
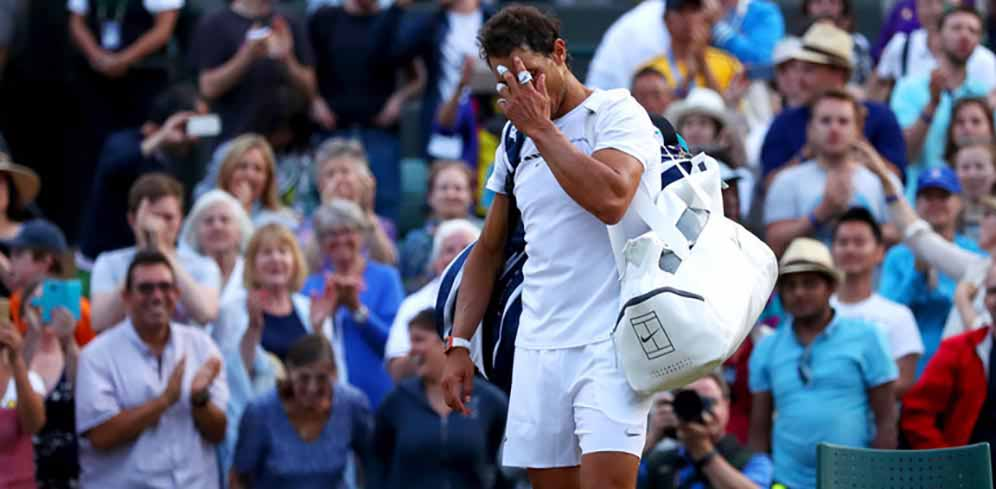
(219, 228)
(249, 172)
(265, 319)
(342, 171)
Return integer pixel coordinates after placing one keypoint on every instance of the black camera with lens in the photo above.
(689, 406)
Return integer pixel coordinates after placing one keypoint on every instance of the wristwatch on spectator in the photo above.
(361, 314)
(453, 342)
(200, 399)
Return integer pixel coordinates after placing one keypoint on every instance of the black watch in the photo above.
(702, 462)
(200, 399)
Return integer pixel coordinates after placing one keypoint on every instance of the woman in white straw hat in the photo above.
(19, 186)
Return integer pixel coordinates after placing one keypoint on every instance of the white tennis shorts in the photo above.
(568, 402)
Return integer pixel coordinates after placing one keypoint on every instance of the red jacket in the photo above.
(941, 409)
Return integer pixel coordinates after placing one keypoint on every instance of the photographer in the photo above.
(706, 457)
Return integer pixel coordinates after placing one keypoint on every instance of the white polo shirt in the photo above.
(570, 294)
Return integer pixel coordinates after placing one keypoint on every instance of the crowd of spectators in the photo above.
(250, 307)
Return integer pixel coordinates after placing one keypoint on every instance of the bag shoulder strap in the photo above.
(513, 142)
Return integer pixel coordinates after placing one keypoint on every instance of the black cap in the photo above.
(39, 234)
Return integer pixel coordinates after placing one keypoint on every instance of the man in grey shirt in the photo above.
(155, 209)
(805, 199)
(144, 419)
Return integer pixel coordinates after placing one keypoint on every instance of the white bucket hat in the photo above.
(701, 101)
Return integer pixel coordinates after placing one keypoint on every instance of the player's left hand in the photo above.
(527, 105)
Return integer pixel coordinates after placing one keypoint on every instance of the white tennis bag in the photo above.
(692, 287)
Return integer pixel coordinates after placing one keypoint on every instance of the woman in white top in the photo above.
(966, 267)
(219, 228)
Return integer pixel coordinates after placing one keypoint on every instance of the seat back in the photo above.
(965, 467)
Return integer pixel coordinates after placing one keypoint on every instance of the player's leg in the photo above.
(540, 431)
(559, 478)
(610, 419)
(609, 470)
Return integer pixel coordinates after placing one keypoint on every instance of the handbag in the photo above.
(692, 287)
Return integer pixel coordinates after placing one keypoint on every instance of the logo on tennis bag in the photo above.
(494, 342)
(692, 287)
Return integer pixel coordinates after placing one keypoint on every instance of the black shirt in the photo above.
(242, 108)
(354, 83)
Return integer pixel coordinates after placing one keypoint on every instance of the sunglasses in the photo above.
(147, 288)
(805, 365)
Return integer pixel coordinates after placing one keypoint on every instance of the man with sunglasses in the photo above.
(150, 405)
(824, 372)
(954, 403)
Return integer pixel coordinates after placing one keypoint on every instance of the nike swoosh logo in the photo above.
(644, 340)
(632, 434)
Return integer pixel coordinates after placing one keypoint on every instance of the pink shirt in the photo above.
(16, 452)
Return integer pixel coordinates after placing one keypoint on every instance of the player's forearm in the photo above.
(603, 191)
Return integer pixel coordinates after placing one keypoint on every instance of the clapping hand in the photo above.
(149, 228)
(324, 304)
(837, 193)
(281, 41)
(205, 376)
(348, 290)
(173, 388)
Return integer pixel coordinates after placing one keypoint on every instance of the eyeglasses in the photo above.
(335, 233)
(805, 369)
(147, 288)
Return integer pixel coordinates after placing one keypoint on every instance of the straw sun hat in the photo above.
(25, 180)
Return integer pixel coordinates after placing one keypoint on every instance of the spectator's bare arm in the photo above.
(878, 89)
(107, 309)
(448, 112)
(30, 408)
(761, 412)
(129, 424)
(83, 38)
(907, 374)
(916, 133)
(153, 40)
(208, 418)
(391, 112)
(215, 82)
(200, 301)
(882, 399)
